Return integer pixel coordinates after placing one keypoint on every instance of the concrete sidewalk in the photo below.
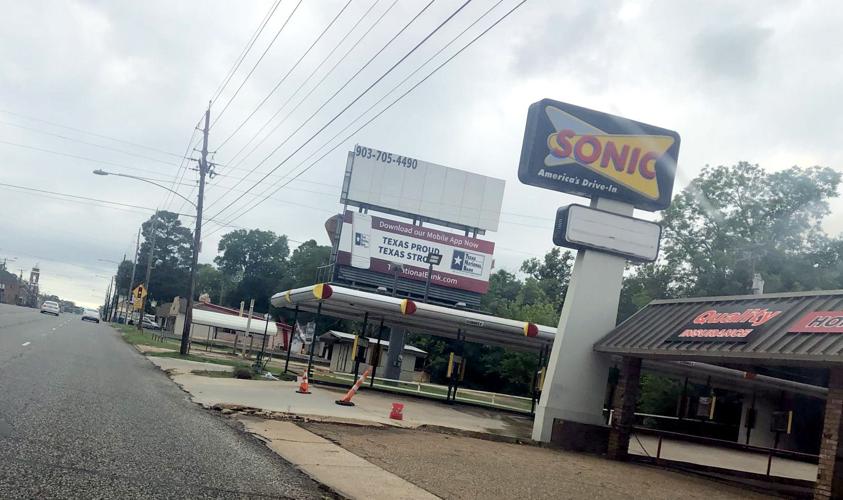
(371, 407)
(331, 465)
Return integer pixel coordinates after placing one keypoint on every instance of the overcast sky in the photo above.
(741, 80)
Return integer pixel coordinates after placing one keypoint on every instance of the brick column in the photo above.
(830, 471)
(623, 404)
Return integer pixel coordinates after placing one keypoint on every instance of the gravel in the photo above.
(463, 467)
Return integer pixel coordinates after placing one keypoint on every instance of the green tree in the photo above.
(659, 395)
(124, 276)
(732, 220)
(552, 272)
(212, 281)
(305, 263)
(171, 257)
(256, 261)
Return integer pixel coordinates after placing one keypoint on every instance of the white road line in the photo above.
(25, 344)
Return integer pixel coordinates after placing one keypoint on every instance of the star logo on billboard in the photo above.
(361, 240)
(457, 260)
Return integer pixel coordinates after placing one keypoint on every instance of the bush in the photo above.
(243, 372)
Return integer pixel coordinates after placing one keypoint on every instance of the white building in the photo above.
(340, 344)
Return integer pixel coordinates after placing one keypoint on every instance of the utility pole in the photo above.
(197, 235)
(108, 295)
(116, 298)
(131, 281)
(148, 270)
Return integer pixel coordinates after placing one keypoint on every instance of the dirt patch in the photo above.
(464, 467)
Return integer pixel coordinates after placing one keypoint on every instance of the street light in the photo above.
(204, 169)
(432, 259)
(100, 171)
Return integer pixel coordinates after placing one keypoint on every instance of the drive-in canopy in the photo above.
(347, 303)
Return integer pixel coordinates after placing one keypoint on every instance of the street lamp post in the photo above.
(204, 169)
(433, 259)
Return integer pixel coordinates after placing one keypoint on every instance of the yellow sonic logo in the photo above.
(629, 160)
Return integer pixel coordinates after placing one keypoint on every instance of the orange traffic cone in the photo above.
(304, 387)
(346, 400)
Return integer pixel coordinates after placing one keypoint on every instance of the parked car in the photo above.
(91, 315)
(50, 307)
(150, 325)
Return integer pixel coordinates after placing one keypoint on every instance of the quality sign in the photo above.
(585, 152)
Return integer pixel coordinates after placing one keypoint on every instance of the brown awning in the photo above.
(787, 328)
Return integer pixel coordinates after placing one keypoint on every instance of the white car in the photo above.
(91, 315)
(50, 307)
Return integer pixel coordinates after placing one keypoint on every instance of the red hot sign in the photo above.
(819, 322)
(732, 324)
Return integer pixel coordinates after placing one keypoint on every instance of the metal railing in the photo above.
(721, 443)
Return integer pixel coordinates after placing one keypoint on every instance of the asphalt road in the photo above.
(83, 415)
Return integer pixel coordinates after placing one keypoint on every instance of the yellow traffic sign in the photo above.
(139, 293)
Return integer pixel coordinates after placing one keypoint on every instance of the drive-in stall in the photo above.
(794, 334)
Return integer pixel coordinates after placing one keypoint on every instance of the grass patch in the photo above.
(200, 359)
(131, 335)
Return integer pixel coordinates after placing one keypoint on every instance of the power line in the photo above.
(398, 85)
(277, 33)
(72, 139)
(284, 78)
(303, 99)
(168, 198)
(245, 50)
(370, 120)
(92, 201)
(135, 144)
(77, 157)
(290, 136)
(360, 96)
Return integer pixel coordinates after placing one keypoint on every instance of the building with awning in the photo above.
(798, 337)
(215, 323)
(340, 346)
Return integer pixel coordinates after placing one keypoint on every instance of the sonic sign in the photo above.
(577, 150)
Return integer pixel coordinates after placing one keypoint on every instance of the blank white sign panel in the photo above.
(394, 182)
(615, 233)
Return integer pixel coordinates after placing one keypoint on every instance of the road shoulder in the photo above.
(329, 464)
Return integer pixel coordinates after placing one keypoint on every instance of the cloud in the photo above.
(739, 80)
(731, 52)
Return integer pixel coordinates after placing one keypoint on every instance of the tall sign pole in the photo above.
(620, 165)
(197, 236)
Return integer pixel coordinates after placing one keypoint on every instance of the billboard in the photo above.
(585, 152)
(371, 242)
(413, 188)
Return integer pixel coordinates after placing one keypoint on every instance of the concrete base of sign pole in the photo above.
(575, 386)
